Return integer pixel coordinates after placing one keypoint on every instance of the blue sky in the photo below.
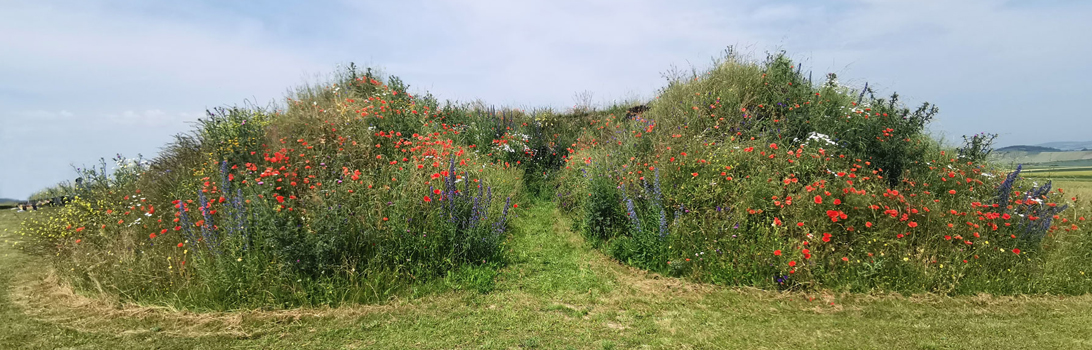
(80, 80)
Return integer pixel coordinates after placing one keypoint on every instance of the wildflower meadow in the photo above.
(747, 174)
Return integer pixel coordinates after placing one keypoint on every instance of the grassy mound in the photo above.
(751, 174)
(747, 174)
(354, 192)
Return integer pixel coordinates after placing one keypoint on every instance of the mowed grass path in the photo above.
(556, 293)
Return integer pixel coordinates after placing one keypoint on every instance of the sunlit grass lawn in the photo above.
(556, 293)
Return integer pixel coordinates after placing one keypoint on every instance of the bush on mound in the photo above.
(752, 174)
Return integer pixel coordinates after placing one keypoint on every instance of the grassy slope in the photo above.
(556, 293)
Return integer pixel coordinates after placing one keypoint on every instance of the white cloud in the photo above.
(123, 76)
(777, 12)
(133, 58)
(117, 81)
(150, 118)
(541, 52)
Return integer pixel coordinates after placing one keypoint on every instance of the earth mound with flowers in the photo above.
(351, 193)
(752, 174)
(747, 174)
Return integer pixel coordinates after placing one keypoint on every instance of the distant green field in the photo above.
(1073, 172)
(1057, 164)
(1067, 163)
(1072, 161)
(1070, 158)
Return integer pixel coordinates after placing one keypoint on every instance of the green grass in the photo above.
(556, 293)
(1079, 188)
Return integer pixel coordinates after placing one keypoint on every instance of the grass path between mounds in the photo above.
(555, 293)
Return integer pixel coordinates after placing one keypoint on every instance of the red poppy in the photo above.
(912, 224)
(792, 263)
(834, 215)
(777, 252)
(1016, 250)
(427, 199)
(818, 200)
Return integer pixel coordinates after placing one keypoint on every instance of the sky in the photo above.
(89, 79)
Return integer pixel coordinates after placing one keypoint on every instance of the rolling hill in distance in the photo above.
(1050, 154)
(1069, 145)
